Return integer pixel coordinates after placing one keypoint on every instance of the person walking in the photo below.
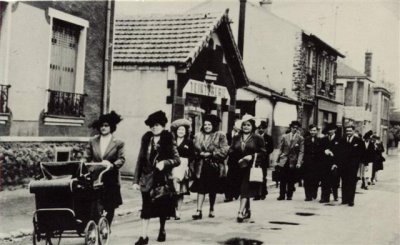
(158, 155)
(377, 164)
(211, 148)
(269, 147)
(245, 152)
(330, 178)
(312, 163)
(365, 167)
(290, 158)
(181, 130)
(351, 155)
(107, 149)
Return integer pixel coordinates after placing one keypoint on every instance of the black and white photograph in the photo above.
(199, 122)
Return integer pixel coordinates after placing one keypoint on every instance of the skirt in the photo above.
(160, 208)
(249, 189)
(209, 181)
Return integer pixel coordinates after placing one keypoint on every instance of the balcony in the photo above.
(65, 104)
(4, 99)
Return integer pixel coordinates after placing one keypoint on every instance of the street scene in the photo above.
(199, 122)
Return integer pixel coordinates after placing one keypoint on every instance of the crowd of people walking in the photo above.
(171, 164)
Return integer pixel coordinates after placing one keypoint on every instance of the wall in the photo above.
(130, 98)
(29, 69)
(20, 161)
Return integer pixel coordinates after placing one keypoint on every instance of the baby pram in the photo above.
(68, 203)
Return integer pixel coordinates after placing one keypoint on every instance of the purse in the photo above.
(256, 174)
(161, 189)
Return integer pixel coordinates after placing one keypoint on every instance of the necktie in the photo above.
(348, 139)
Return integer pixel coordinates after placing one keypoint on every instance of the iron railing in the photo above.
(4, 98)
(65, 103)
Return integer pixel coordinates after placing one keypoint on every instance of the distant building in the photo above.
(187, 65)
(380, 112)
(54, 59)
(355, 90)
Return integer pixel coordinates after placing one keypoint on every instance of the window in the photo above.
(360, 94)
(310, 56)
(66, 68)
(64, 53)
(348, 94)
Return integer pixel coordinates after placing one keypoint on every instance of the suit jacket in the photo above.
(115, 154)
(334, 146)
(166, 151)
(369, 153)
(351, 154)
(312, 153)
(291, 152)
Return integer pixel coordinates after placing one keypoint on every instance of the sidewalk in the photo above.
(17, 207)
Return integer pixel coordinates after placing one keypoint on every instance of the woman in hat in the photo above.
(246, 151)
(211, 148)
(157, 157)
(107, 149)
(367, 160)
(377, 164)
(181, 129)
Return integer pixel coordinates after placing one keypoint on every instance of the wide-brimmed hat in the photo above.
(181, 122)
(247, 117)
(156, 117)
(111, 118)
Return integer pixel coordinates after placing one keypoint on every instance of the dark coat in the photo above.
(312, 156)
(115, 154)
(186, 149)
(269, 147)
(166, 151)
(369, 153)
(335, 146)
(351, 155)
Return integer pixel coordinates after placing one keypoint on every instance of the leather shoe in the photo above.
(344, 203)
(307, 199)
(289, 198)
(142, 241)
(211, 214)
(323, 201)
(228, 199)
(161, 236)
(198, 215)
(280, 198)
(351, 204)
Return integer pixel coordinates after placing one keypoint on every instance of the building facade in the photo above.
(187, 65)
(356, 91)
(381, 111)
(53, 66)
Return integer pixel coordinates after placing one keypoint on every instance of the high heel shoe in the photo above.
(247, 214)
(198, 215)
(211, 214)
(162, 235)
(239, 217)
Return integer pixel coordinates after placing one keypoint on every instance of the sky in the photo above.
(351, 26)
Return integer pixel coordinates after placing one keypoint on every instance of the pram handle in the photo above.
(99, 180)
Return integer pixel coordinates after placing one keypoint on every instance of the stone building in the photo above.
(186, 64)
(381, 111)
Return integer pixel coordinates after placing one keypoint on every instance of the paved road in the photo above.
(373, 220)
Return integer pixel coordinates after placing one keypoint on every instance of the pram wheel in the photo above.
(47, 239)
(91, 233)
(104, 231)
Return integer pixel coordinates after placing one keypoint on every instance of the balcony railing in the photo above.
(4, 98)
(65, 104)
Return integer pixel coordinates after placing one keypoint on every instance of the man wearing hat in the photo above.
(290, 158)
(331, 146)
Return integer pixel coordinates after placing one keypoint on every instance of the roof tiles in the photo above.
(162, 39)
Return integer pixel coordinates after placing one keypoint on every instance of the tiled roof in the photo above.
(344, 70)
(163, 39)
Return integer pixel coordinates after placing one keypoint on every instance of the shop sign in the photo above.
(206, 89)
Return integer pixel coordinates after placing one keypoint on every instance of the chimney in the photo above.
(368, 63)
(242, 17)
(267, 4)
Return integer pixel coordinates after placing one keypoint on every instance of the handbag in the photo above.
(161, 189)
(256, 174)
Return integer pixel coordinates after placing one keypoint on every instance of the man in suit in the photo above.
(330, 178)
(351, 155)
(269, 146)
(109, 150)
(290, 158)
